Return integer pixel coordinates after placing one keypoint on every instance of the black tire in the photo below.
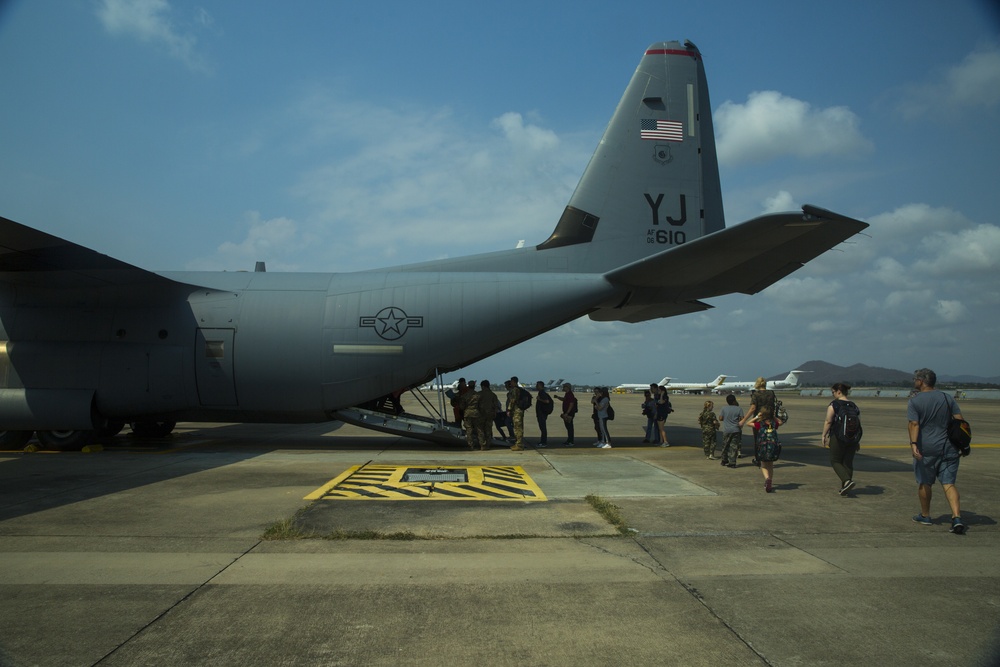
(152, 429)
(109, 429)
(65, 440)
(14, 439)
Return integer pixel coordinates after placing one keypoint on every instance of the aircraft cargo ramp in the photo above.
(408, 425)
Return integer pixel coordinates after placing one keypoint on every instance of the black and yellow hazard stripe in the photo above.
(387, 482)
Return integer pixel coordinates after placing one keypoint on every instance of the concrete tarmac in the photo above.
(153, 554)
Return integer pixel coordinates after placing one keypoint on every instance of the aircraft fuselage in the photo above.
(261, 346)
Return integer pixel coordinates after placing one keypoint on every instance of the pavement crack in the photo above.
(176, 604)
(654, 569)
(696, 594)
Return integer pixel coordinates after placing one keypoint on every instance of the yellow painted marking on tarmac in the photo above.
(395, 482)
(864, 446)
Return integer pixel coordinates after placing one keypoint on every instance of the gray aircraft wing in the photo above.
(744, 258)
(42, 260)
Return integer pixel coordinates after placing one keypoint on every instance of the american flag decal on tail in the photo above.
(661, 130)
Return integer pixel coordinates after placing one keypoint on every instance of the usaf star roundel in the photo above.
(391, 323)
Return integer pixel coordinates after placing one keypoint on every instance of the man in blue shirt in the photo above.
(934, 457)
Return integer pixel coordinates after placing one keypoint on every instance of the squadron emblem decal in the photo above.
(391, 323)
(661, 153)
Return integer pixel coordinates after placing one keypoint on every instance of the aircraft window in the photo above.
(215, 349)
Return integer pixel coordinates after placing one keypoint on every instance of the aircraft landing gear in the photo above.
(152, 429)
(109, 429)
(14, 439)
(65, 439)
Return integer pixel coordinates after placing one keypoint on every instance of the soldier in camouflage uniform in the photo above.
(709, 428)
(487, 413)
(516, 413)
(470, 402)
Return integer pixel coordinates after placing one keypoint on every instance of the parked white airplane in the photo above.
(697, 387)
(790, 381)
(434, 386)
(641, 387)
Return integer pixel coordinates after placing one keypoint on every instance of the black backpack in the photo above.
(959, 432)
(524, 399)
(846, 422)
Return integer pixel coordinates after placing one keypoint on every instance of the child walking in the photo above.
(709, 429)
(767, 446)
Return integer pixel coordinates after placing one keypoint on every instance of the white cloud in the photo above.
(771, 125)
(272, 241)
(888, 271)
(149, 21)
(968, 251)
(430, 183)
(951, 311)
(779, 203)
(530, 137)
(973, 83)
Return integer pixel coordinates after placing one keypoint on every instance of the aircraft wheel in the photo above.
(65, 439)
(14, 439)
(153, 429)
(109, 429)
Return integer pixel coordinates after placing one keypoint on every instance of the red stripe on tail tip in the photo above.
(673, 52)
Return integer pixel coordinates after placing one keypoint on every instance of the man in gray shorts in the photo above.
(934, 457)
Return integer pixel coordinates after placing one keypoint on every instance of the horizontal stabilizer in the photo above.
(30, 256)
(744, 258)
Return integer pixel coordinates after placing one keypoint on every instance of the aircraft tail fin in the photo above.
(653, 182)
(793, 377)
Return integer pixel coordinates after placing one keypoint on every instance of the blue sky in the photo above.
(337, 136)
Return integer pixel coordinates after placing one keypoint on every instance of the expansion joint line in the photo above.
(176, 604)
(696, 594)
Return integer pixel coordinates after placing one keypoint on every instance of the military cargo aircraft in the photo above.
(88, 343)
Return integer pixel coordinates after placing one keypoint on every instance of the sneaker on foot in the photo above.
(605, 445)
(957, 526)
(517, 448)
(732, 465)
(923, 520)
(848, 485)
(710, 457)
(767, 486)
(725, 462)
(664, 444)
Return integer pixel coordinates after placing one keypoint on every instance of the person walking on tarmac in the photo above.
(842, 449)
(569, 410)
(543, 408)
(456, 401)
(488, 404)
(469, 402)
(761, 397)
(515, 409)
(934, 457)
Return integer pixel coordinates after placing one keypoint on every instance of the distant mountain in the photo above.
(823, 374)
